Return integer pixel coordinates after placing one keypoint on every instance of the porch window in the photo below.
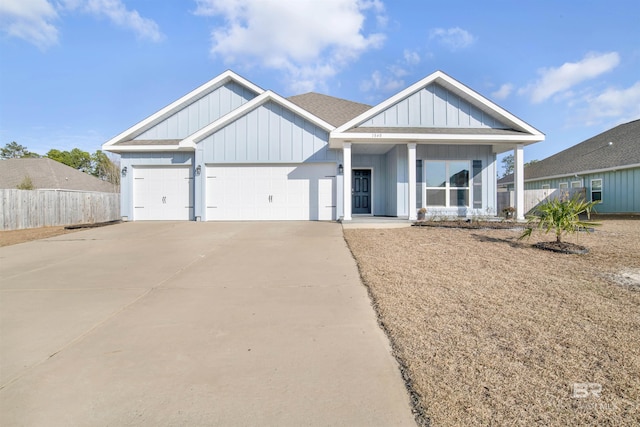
(447, 183)
(596, 190)
(563, 185)
(576, 184)
(546, 186)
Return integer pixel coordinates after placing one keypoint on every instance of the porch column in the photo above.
(411, 163)
(518, 180)
(346, 159)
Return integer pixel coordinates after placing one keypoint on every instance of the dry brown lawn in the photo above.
(20, 236)
(491, 331)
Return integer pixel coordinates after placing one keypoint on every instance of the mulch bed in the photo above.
(562, 247)
(470, 224)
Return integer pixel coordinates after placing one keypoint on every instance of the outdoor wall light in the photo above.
(198, 170)
(340, 169)
(124, 171)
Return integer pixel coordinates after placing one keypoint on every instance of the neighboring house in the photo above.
(230, 150)
(45, 173)
(607, 166)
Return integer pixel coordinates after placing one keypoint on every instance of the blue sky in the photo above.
(74, 73)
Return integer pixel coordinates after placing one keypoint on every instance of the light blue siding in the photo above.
(620, 189)
(268, 134)
(131, 160)
(434, 106)
(200, 113)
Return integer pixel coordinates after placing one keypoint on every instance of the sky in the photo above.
(75, 73)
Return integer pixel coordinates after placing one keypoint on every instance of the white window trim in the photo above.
(565, 184)
(546, 186)
(447, 187)
(600, 190)
(579, 182)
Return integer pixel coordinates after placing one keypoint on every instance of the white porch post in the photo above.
(346, 154)
(518, 180)
(411, 163)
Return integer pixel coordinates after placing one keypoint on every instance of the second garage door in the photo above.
(283, 192)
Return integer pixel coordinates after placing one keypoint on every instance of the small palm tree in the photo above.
(561, 216)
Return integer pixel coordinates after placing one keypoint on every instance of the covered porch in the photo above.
(395, 180)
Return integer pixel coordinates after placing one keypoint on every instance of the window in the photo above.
(546, 186)
(447, 183)
(563, 185)
(596, 190)
(576, 184)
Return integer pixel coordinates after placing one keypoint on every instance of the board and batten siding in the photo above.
(434, 106)
(131, 160)
(268, 134)
(200, 113)
(620, 189)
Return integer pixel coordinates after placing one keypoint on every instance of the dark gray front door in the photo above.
(361, 192)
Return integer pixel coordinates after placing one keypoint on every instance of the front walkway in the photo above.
(198, 324)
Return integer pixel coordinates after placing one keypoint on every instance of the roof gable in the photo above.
(157, 126)
(444, 94)
(266, 97)
(434, 106)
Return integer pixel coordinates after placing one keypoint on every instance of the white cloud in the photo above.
(619, 105)
(34, 20)
(309, 41)
(411, 57)
(503, 92)
(30, 20)
(117, 12)
(569, 74)
(381, 83)
(454, 38)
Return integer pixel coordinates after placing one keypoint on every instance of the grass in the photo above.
(491, 331)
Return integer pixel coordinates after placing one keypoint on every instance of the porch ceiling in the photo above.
(371, 148)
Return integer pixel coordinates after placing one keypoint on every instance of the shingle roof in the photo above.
(593, 154)
(47, 173)
(335, 111)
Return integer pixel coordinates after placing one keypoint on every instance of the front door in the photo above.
(361, 192)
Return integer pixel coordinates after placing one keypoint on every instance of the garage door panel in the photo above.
(254, 192)
(162, 193)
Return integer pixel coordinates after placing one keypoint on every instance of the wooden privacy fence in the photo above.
(533, 198)
(42, 208)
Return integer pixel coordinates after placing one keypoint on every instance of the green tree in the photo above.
(75, 158)
(507, 165)
(13, 150)
(561, 216)
(105, 168)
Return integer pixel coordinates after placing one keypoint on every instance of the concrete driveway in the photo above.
(170, 323)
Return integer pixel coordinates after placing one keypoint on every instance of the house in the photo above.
(230, 150)
(607, 166)
(45, 173)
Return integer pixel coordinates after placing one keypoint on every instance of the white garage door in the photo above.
(254, 192)
(162, 193)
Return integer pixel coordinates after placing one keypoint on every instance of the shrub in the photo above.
(561, 216)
